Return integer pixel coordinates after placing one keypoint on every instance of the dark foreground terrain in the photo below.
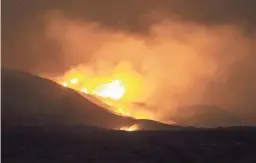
(83, 144)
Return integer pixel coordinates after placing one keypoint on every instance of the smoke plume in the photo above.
(175, 63)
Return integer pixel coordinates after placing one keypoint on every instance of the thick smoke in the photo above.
(177, 63)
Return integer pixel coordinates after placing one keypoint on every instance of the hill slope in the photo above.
(28, 99)
(31, 100)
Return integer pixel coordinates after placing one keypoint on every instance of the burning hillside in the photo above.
(120, 90)
(175, 64)
(130, 128)
(40, 101)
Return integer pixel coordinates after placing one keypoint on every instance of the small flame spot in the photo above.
(64, 84)
(74, 81)
(84, 90)
(130, 128)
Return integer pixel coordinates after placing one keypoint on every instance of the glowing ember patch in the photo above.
(131, 128)
(84, 90)
(64, 84)
(117, 90)
(74, 81)
(123, 113)
(114, 90)
(127, 114)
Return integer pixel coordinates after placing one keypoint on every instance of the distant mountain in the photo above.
(31, 100)
(205, 116)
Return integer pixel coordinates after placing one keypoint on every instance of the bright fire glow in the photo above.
(120, 89)
(110, 92)
(130, 128)
(84, 90)
(64, 84)
(74, 81)
(114, 90)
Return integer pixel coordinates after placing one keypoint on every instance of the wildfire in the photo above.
(109, 92)
(130, 128)
(119, 89)
(74, 81)
(114, 90)
(64, 84)
(84, 90)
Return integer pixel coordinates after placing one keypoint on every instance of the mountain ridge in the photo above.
(31, 100)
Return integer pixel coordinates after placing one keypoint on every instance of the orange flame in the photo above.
(109, 92)
(119, 89)
(114, 90)
(130, 128)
